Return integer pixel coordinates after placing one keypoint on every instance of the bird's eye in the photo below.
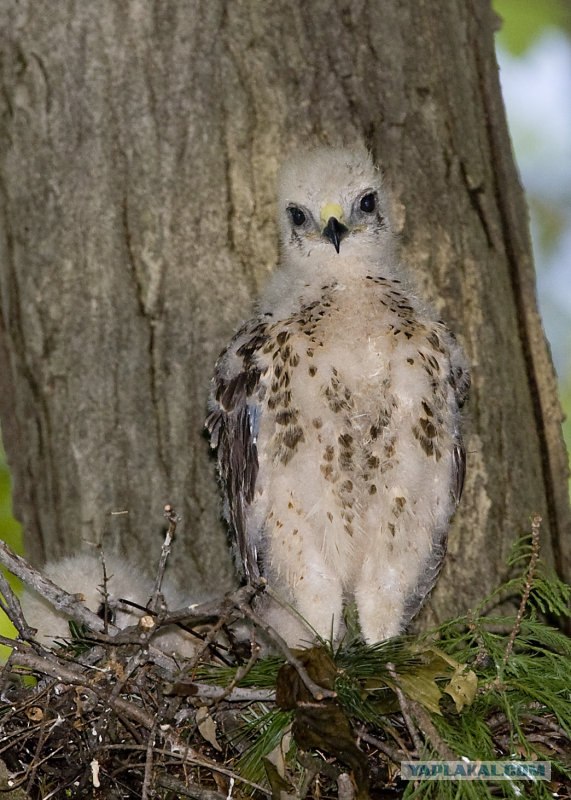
(368, 203)
(297, 215)
(106, 614)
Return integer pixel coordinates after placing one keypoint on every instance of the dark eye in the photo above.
(297, 215)
(105, 613)
(368, 203)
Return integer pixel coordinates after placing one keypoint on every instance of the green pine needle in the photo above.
(487, 682)
(262, 730)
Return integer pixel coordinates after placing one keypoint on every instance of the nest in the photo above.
(110, 715)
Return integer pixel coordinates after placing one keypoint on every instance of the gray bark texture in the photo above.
(139, 144)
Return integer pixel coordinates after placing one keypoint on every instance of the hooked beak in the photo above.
(334, 231)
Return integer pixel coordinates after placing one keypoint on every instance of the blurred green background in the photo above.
(534, 53)
(11, 533)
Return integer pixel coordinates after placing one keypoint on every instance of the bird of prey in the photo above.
(82, 574)
(336, 414)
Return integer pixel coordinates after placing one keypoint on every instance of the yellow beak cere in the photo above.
(331, 210)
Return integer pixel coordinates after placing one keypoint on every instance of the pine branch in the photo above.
(535, 530)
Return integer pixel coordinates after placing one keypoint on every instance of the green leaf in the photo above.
(523, 21)
(462, 687)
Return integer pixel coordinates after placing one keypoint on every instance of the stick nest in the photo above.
(109, 715)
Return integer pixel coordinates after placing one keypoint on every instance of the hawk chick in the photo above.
(82, 574)
(335, 411)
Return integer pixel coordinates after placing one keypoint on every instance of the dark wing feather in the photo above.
(460, 381)
(458, 471)
(233, 426)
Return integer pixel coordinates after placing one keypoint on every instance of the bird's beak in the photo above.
(334, 229)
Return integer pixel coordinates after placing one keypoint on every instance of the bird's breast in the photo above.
(360, 360)
(357, 425)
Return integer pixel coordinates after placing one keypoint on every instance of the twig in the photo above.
(107, 617)
(159, 717)
(317, 692)
(546, 722)
(45, 731)
(61, 600)
(185, 688)
(404, 707)
(207, 642)
(241, 601)
(482, 656)
(10, 605)
(242, 671)
(396, 756)
(161, 751)
(148, 774)
(188, 789)
(429, 729)
(213, 609)
(547, 740)
(392, 731)
(102, 724)
(71, 606)
(75, 676)
(37, 765)
(172, 519)
(58, 790)
(222, 609)
(535, 530)
(195, 614)
(412, 709)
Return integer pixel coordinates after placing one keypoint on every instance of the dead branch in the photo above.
(10, 605)
(188, 789)
(172, 519)
(68, 604)
(78, 676)
(405, 711)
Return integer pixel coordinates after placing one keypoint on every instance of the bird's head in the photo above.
(332, 210)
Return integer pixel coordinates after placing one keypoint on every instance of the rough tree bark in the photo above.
(139, 146)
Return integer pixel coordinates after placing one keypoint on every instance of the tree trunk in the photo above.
(139, 146)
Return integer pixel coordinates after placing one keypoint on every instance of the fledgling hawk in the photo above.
(82, 574)
(335, 411)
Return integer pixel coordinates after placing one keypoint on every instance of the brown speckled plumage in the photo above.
(335, 411)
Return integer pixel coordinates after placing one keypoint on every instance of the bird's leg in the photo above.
(380, 598)
(317, 609)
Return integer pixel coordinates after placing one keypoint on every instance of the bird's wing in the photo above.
(459, 379)
(233, 424)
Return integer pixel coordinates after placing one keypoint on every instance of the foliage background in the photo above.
(534, 52)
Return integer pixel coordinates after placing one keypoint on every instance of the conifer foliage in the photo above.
(109, 715)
